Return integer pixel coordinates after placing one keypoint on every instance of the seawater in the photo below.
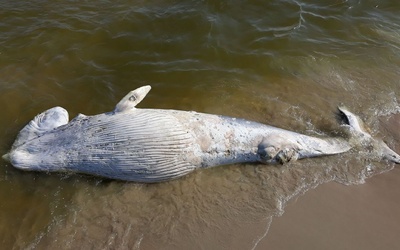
(285, 63)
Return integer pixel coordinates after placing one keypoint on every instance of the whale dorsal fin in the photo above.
(132, 99)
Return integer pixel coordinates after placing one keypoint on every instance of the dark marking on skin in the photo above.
(132, 98)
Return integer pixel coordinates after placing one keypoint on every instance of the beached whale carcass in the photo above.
(152, 145)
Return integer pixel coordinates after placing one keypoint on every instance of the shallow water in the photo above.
(285, 63)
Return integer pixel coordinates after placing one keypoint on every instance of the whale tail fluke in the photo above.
(360, 135)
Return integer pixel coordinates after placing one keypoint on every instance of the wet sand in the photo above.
(335, 216)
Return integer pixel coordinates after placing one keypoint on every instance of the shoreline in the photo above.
(336, 216)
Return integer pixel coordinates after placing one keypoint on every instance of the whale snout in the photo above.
(19, 159)
(29, 160)
(6, 157)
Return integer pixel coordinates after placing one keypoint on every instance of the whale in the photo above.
(155, 145)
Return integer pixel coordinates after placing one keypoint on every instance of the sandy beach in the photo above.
(335, 216)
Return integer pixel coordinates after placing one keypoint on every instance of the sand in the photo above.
(335, 216)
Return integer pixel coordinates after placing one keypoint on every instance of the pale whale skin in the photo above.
(148, 144)
(153, 145)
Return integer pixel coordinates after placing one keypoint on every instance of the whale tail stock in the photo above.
(361, 136)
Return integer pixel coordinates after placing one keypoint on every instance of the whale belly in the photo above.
(135, 146)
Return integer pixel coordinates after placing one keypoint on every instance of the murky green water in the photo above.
(285, 63)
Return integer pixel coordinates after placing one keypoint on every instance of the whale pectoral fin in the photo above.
(132, 99)
(275, 149)
(41, 123)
